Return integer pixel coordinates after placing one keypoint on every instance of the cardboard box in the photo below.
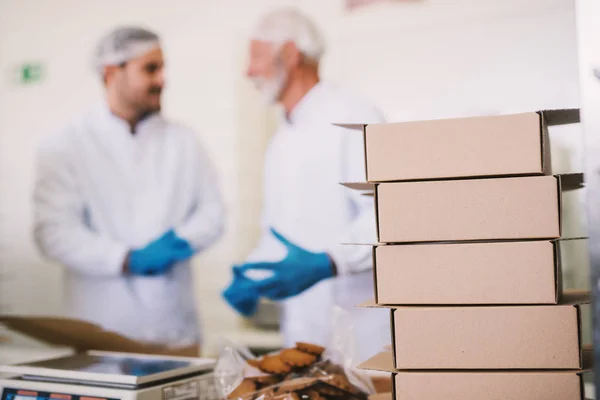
(488, 337)
(472, 209)
(462, 147)
(467, 273)
(381, 396)
(480, 385)
(83, 336)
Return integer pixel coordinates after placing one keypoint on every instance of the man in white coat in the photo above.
(307, 214)
(124, 198)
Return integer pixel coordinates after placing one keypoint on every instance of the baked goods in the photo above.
(273, 364)
(297, 374)
(294, 385)
(297, 358)
(310, 348)
(336, 384)
(267, 380)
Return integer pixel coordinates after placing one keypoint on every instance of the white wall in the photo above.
(428, 58)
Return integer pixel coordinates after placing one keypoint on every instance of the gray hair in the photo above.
(291, 25)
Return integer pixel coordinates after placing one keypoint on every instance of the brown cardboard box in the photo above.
(479, 209)
(472, 209)
(84, 336)
(480, 385)
(462, 147)
(488, 337)
(479, 273)
(381, 396)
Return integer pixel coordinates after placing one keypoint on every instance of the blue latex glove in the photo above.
(298, 271)
(158, 256)
(242, 294)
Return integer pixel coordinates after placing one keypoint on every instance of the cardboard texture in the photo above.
(381, 396)
(477, 209)
(468, 273)
(479, 385)
(487, 337)
(514, 144)
(84, 336)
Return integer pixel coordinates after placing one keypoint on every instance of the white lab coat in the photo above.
(305, 163)
(101, 191)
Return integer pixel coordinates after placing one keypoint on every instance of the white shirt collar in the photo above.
(307, 106)
(148, 122)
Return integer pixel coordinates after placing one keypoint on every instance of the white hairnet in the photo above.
(124, 44)
(290, 25)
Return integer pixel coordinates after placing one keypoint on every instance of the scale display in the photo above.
(18, 394)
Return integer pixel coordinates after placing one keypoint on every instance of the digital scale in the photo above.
(110, 376)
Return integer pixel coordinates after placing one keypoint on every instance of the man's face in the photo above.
(139, 83)
(266, 70)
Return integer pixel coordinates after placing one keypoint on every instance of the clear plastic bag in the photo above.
(330, 374)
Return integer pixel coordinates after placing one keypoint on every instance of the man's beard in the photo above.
(271, 89)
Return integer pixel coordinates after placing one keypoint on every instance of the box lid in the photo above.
(561, 116)
(361, 186)
(571, 181)
(461, 242)
(553, 117)
(569, 297)
(384, 362)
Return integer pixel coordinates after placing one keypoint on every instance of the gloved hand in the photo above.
(157, 257)
(242, 294)
(298, 271)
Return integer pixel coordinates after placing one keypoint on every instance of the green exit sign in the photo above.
(29, 73)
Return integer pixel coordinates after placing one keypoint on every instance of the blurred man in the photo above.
(124, 198)
(307, 213)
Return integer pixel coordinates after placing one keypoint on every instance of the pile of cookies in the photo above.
(296, 374)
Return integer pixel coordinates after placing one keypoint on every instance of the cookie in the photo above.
(266, 381)
(310, 348)
(335, 384)
(274, 364)
(329, 367)
(247, 386)
(297, 358)
(253, 362)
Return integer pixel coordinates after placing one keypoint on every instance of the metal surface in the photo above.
(115, 368)
(588, 27)
(107, 375)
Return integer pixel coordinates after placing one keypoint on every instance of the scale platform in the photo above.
(110, 376)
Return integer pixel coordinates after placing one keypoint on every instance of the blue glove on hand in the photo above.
(242, 294)
(158, 256)
(298, 271)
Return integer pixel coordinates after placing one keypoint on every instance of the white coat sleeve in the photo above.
(59, 217)
(206, 221)
(352, 259)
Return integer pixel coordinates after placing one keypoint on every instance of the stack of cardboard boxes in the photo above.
(468, 218)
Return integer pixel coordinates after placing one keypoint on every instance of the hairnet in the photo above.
(290, 25)
(124, 44)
